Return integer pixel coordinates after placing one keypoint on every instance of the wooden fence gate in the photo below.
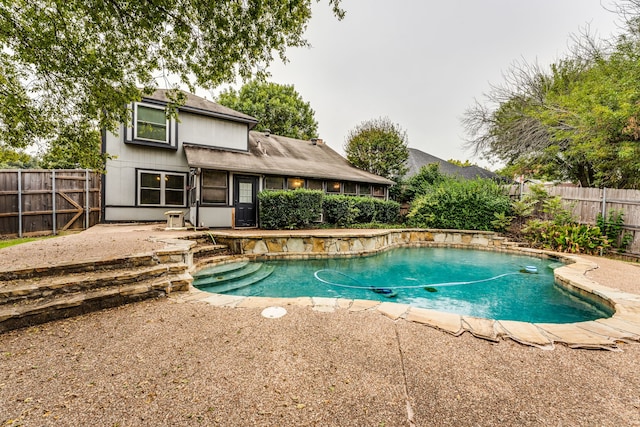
(36, 201)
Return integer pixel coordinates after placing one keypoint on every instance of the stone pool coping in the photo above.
(605, 333)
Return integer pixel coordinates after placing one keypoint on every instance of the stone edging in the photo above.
(623, 326)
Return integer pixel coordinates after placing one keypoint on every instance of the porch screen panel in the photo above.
(350, 188)
(364, 189)
(274, 183)
(333, 186)
(314, 184)
(214, 187)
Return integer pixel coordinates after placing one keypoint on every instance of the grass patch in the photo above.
(13, 242)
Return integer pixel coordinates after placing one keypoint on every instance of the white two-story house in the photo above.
(209, 164)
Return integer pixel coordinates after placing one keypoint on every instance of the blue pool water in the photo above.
(468, 282)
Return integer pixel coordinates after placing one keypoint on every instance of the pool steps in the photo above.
(232, 279)
(219, 269)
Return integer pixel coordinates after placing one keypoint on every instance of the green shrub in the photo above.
(460, 204)
(347, 211)
(386, 211)
(572, 237)
(340, 210)
(289, 209)
(366, 209)
(612, 228)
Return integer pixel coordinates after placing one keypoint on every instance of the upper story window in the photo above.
(151, 124)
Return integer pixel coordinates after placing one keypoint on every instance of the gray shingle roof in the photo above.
(418, 158)
(279, 155)
(196, 104)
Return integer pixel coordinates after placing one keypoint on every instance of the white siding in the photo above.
(212, 132)
(139, 214)
(120, 179)
(215, 217)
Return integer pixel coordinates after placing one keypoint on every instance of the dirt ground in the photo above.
(163, 363)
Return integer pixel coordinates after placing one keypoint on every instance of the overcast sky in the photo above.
(422, 63)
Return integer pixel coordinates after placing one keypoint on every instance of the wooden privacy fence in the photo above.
(34, 201)
(587, 203)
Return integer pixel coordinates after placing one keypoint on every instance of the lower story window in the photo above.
(214, 187)
(161, 188)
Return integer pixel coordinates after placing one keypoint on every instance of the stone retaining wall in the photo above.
(357, 244)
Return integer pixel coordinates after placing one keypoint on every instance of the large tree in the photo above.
(82, 61)
(577, 120)
(279, 108)
(378, 146)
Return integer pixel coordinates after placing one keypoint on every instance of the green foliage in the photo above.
(349, 211)
(286, 209)
(460, 204)
(554, 209)
(501, 221)
(460, 163)
(16, 159)
(279, 108)
(378, 146)
(574, 238)
(579, 120)
(340, 210)
(63, 62)
(611, 227)
(422, 182)
(77, 146)
(386, 211)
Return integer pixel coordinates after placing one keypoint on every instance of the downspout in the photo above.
(197, 224)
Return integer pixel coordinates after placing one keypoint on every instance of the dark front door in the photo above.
(244, 200)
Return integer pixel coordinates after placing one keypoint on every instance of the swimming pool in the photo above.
(469, 282)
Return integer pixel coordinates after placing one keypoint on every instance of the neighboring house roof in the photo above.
(279, 155)
(198, 105)
(418, 158)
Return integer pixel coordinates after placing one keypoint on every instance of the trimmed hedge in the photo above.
(345, 211)
(287, 209)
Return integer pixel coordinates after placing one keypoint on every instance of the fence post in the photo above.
(53, 201)
(86, 199)
(604, 202)
(19, 203)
